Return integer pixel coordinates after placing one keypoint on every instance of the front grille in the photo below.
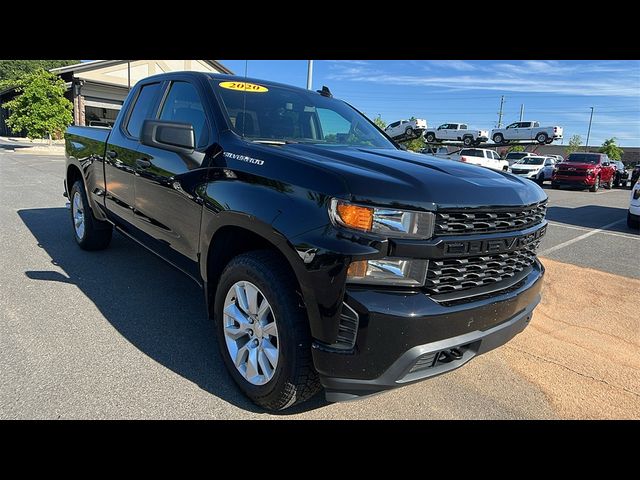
(458, 274)
(572, 173)
(471, 221)
(519, 171)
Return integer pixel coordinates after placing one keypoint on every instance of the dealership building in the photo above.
(98, 88)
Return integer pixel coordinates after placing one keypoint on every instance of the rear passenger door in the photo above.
(167, 204)
(120, 159)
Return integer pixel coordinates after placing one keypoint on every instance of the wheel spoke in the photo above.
(241, 355)
(270, 329)
(242, 297)
(236, 314)
(263, 311)
(234, 332)
(252, 298)
(270, 351)
(252, 363)
(265, 364)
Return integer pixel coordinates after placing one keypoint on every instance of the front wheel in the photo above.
(633, 221)
(263, 331)
(467, 141)
(430, 137)
(609, 184)
(409, 132)
(596, 185)
(540, 179)
(89, 232)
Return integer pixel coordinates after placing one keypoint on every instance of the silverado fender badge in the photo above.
(244, 158)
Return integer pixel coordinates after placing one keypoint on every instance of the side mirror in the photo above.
(606, 164)
(172, 136)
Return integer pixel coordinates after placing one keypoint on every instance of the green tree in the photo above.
(515, 148)
(613, 151)
(574, 144)
(380, 122)
(40, 108)
(13, 70)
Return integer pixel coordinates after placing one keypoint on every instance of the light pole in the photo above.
(589, 131)
(309, 74)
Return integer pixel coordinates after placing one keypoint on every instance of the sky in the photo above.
(553, 92)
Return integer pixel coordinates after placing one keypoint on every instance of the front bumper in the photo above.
(532, 175)
(587, 181)
(402, 336)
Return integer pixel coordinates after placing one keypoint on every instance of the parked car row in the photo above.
(460, 132)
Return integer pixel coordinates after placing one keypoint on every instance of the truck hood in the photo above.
(405, 179)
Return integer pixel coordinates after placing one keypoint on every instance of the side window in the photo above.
(335, 128)
(394, 125)
(143, 108)
(463, 127)
(183, 105)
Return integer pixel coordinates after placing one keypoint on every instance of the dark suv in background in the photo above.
(621, 175)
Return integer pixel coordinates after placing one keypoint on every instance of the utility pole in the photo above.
(309, 74)
(589, 131)
(500, 112)
(521, 111)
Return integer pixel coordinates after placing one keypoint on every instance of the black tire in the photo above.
(596, 185)
(633, 221)
(616, 182)
(540, 179)
(498, 138)
(609, 184)
(409, 132)
(467, 141)
(295, 379)
(430, 137)
(542, 137)
(97, 234)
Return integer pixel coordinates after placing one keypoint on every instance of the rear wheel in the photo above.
(430, 137)
(468, 141)
(89, 232)
(263, 331)
(409, 132)
(542, 137)
(596, 185)
(498, 138)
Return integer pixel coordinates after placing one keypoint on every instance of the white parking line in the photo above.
(580, 237)
(586, 229)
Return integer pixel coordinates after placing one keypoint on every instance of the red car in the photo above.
(586, 170)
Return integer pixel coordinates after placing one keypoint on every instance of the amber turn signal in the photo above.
(355, 216)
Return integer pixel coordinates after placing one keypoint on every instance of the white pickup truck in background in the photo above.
(480, 156)
(456, 131)
(526, 131)
(406, 129)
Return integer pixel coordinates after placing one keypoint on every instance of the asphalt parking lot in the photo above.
(121, 334)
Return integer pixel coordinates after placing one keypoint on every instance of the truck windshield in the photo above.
(583, 158)
(531, 161)
(276, 114)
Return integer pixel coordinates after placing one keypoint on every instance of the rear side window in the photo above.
(143, 108)
(183, 105)
(473, 152)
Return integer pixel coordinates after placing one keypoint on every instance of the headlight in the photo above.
(384, 221)
(411, 273)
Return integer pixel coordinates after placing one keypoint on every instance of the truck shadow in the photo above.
(591, 216)
(155, 307)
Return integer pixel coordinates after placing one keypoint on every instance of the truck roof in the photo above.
(225, 78)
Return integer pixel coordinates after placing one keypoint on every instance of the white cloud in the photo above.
(459, 65)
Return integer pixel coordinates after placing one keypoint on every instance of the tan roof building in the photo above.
(98, 88)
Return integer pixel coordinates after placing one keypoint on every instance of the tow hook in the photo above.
(450, 355)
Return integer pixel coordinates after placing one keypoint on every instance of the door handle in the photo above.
(142, 163)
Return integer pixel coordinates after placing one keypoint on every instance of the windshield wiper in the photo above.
(274, 142)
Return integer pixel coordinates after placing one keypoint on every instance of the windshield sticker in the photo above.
(244, 158)
(244, 87)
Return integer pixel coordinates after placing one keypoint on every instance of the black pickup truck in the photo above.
(329, 257)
